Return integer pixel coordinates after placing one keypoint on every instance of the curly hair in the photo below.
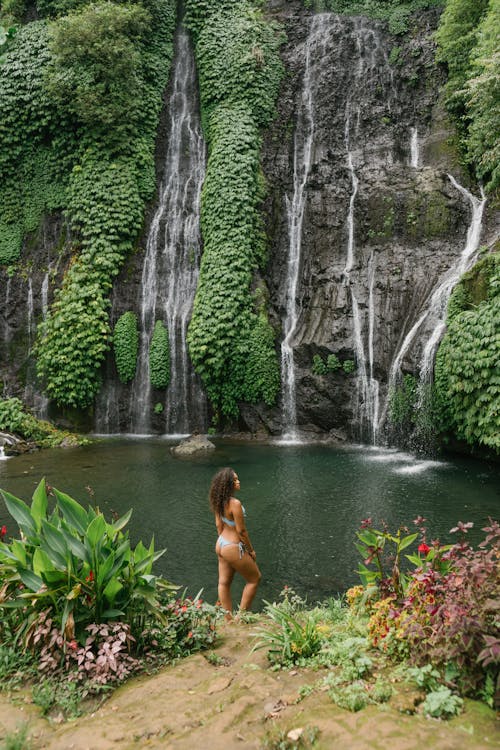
(220, 490)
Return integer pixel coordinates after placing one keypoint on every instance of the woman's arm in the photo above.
(241, 528)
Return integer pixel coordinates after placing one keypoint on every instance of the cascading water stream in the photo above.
(171, 262)
(302, 156)
(435, 311)
(372, 61)
(414, 150)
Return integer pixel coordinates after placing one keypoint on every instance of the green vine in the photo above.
(468, 44)
(81, 96)
(126, 345)
(230, 340)
(466, 373)
(159, 356)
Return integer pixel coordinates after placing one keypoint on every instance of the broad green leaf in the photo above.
(41, 562)
(73, 513)
(76, 547)
(112, 613)
(30, 579)
(112, 589)
(59, 560)
(19, 551)
(96, 530)
(39, 504)
(123, 521)
(404, 543)
(105, 568)
(20, 513)
(55, 539)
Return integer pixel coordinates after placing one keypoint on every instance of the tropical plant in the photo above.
(289, 637)
(73, 564)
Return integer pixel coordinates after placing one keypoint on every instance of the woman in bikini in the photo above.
(234, 548)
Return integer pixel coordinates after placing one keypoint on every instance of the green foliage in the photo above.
(14, 418)
(80, 98)
(468, 44)
(159, 356)
(483, 101)
(442, 704)
(397, 13)
(402, 402)
(318, 365)
(348, 366)
(230, 340)
(19, 739)
(96, 67)
(126, 344)
(30, 182)
(332, 364)
(290, 636)
(466, 371)
(73, 564)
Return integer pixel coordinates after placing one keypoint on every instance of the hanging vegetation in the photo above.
(467, 377)
(159, 356)
(81, 93)
(126, 345)
(230, 339)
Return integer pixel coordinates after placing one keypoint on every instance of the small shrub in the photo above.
(126, 345)
(159, 357)
(442, 704)
(318, 365)
(353, 697)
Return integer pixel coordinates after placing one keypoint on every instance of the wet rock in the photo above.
(192, 445)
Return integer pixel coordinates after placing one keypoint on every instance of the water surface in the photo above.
(304, 502)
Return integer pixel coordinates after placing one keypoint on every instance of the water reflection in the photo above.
(304, 503)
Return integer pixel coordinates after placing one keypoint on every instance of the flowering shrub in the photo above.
(190, 626)
(77, 566)
(444, 611)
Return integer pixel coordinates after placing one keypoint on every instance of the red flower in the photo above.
(184, 608)
(90, 576)
(3, 533)
(190, 634)
(423, 548)
(73, 645)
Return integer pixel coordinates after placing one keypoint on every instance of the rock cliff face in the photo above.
(357, 166)
(382, 222)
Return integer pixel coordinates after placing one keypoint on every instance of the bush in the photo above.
(126, 345)
(444, 611)
(15, 418)
(159, 357)
(75, 567)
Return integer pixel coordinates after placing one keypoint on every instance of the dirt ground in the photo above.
(194, 704)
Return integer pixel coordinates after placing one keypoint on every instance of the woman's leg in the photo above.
(252, 575)
(248, 568)
(226, 575)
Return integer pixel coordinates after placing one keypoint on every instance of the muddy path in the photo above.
(236, 704)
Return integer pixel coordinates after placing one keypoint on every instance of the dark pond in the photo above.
(304, 503)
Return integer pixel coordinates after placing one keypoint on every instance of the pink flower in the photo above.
(190, 634)
(366, 523)
(423, 548)
(73, 645)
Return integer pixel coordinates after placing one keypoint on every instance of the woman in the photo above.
(234, 548)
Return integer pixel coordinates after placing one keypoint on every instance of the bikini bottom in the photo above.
(225, 543)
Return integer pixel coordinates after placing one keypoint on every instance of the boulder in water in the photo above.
(192, 445)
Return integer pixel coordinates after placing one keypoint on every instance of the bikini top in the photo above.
(233, 523)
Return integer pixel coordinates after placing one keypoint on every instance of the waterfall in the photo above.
(171, 262)
(435, 310)
(372, 64)
(31, 314)
(302, 159)
(414, 151)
